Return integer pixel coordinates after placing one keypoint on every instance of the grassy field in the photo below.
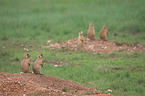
(34, 22)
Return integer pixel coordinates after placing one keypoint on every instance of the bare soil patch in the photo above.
(58, 64)
(97, 46)
(28, 84)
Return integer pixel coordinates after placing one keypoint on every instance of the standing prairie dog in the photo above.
(37, 64)
(91, 32)
(103, 33)
(80, 41)
(25, 63)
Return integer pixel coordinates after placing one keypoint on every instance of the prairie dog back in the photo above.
(37, 64)
(25, 63)
(103, 33)
(91, 32)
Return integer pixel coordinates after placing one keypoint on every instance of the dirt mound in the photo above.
(31, 84)
(98, 46)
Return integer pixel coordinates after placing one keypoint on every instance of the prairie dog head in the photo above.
(105, 27)
(81, 33)
(40, 56)
(91, 24)
(26, 56)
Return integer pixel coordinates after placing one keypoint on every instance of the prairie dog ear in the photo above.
(40, 56)
(81, 33)
(28, 55)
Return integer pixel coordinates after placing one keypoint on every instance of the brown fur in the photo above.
(25, 63)
(80, 41)
(103, 33)
(91, 32)
(37, 64)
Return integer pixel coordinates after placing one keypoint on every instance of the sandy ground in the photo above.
(29, 84)
(97, 46)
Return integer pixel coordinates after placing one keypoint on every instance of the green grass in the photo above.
(34, 22)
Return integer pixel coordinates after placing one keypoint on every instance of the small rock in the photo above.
(105, 47)
(49, 41)
(7, 81)
(4, 89)
(109, 90)
(26, 49)
(56, 65)
(24, 89)
(22, 45)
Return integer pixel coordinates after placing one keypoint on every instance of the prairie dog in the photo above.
(37, 64)
(103, 33)
(25, 63)
(80, 41)
(91, 32)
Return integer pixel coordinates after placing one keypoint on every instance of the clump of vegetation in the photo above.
(119, 43)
